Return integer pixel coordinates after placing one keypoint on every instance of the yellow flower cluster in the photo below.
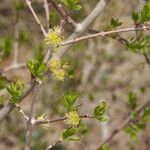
(73, 118)
(57, 69)
(54, 37)
(55, 64)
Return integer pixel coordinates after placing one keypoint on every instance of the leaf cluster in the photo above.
(37, 68)
(99, 111)
(72, 4)
(15, 90)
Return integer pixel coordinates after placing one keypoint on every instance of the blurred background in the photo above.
(99, 69)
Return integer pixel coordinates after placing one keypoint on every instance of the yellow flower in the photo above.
(59, 74)
(54, 37)
(55, 64)
(73, 118)
(65, 66)
(41, 118)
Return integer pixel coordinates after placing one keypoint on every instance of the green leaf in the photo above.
(115, 22)
(132, 131)
(77, 7)
(145, 13)
(23, 37)
(146, 115)
(36, 68)
(5, 47)
(16, 89)
(137, 46)
(2, 82)
(136, 17)
(74, 139)
(133, 101)
(102, 119)
(69, 99)
(18, 5)
(42, 68)
(104, 147)
(72, 4)
(67, 133)
(100, 110)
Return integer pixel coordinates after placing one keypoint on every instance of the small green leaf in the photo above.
(137, 46)
(72, 4)
(42, 68)
(2, 82)
(115, 22)
(102, 119)
(133, 101)
(67, 133)
(136, 17)
(77, 7)
(37, 68)
(23, 37)
(132, 131)
(104, 147)
(145, 13)
(74, 139)
(18, 5)
(69, 99)
(100, 110)
(16, 89)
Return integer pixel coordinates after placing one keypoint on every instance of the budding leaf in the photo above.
(132, 131)
(68, 133)
(136, 17)
(18, 5)
(104, 147)
(72, 4)
(37, 68)
(5, 47)
(69, 99)
(16, 89)
(115, 22)
(2, 82)
(145, 13)
(133, 101)
(99, 112)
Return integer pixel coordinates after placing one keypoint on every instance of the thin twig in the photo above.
(46, 7)
(40, 122)
(35, 16)
(16, 40)
(147, 58)
(54, 144)
(22, 112)
(31, 118)
(124, 124)
(14, 67)
(105, 33)
(63, 13)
